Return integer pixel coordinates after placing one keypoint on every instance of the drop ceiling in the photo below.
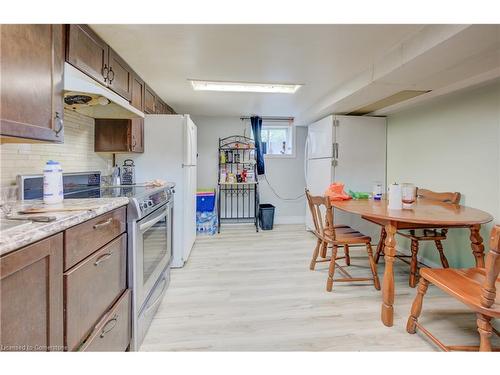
(342, 67)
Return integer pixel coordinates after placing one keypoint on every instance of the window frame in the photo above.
(292, 129)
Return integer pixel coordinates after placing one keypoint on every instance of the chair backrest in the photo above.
(316, 203)
(488, 290)
(447, 197)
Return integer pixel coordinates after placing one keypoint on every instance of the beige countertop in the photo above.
(22, 235)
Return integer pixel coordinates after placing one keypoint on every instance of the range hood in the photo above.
(84, 95)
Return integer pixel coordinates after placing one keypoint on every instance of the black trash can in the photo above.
(266, 216)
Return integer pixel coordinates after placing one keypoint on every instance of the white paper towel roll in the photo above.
(395, 202)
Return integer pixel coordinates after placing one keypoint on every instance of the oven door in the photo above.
(153, 250)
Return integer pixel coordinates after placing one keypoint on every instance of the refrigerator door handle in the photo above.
(336, 150)
(306, 151)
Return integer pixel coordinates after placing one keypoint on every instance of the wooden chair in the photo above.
(416, 235)
(336, 236)
(475, 287)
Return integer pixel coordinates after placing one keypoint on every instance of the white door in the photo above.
(361, 161)
(189, 211)
(320, 137)
(319, 177)
(190, 143)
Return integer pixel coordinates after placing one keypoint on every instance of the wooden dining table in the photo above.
(425, 213)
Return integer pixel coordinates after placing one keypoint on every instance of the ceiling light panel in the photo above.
(277, 88)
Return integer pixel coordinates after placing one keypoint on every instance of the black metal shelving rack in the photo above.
(238, 201)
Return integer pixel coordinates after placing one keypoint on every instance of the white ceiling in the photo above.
(319, 56)
(342, 67)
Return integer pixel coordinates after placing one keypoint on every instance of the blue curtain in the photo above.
(256, 122)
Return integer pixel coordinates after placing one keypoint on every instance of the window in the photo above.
(278, 140)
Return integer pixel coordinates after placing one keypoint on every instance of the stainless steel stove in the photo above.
(149, 227)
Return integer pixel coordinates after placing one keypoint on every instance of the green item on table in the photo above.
(359, 195)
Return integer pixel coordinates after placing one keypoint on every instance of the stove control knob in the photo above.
(144, 205)
(150, 203)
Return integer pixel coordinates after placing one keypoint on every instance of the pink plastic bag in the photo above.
(336, 192)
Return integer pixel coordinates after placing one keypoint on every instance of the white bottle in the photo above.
(52, 183)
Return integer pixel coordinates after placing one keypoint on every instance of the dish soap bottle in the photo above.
(52, 183)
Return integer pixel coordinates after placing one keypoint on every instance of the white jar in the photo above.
(52, 183)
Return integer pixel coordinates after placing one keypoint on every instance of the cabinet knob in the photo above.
(59, 124)
(113, 77)
(105, 73)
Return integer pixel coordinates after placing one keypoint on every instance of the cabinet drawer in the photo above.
(83, 239)
(91, 288)
(113, 332)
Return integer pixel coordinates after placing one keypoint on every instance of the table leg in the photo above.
(476, 243)
(388, 283)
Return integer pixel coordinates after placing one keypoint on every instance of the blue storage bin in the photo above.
(205, 202)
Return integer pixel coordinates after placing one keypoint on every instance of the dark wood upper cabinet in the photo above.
(149, 100)
(119, 135)
(119, 76)
(31, 297)
(32, 60)
(90, 54)
(87, 52)
(138, 87)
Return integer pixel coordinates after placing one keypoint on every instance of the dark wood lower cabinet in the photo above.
(91, 288)
(31, 293)
(113, 332)
(43, 308)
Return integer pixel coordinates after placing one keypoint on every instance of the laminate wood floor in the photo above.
(248, 291)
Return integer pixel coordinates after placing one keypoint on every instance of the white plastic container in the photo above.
(395, 202)
(52, 183)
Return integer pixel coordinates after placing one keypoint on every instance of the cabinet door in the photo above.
(137, 135)
(31, 67)
(149, 100)
(119, 76)
(31, 297)
(87, 52)
(137, 99)
(158, 106)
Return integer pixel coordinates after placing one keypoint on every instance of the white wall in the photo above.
(285, 174)
(451, 144)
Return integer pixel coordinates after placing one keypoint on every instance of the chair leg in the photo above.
(413, 264)
(324, 248)
(331, 269)
(439, 247)
(380, 245)
(315, 255)
(347, 256)
(485, 331)
(416, 307)
(373, 266)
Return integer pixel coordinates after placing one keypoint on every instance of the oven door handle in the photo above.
(148, 224)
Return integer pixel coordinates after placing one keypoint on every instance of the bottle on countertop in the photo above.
(53, 190)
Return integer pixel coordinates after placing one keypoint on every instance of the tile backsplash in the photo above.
(76, 154)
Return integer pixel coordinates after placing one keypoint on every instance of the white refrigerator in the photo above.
(170, 153)
(347, 149)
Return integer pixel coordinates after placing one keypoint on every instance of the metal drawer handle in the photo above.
(105, 72)
(102, 258)
(104, 223)
(150, 306)
(108, 323)
(113, 77)
(59, 123)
